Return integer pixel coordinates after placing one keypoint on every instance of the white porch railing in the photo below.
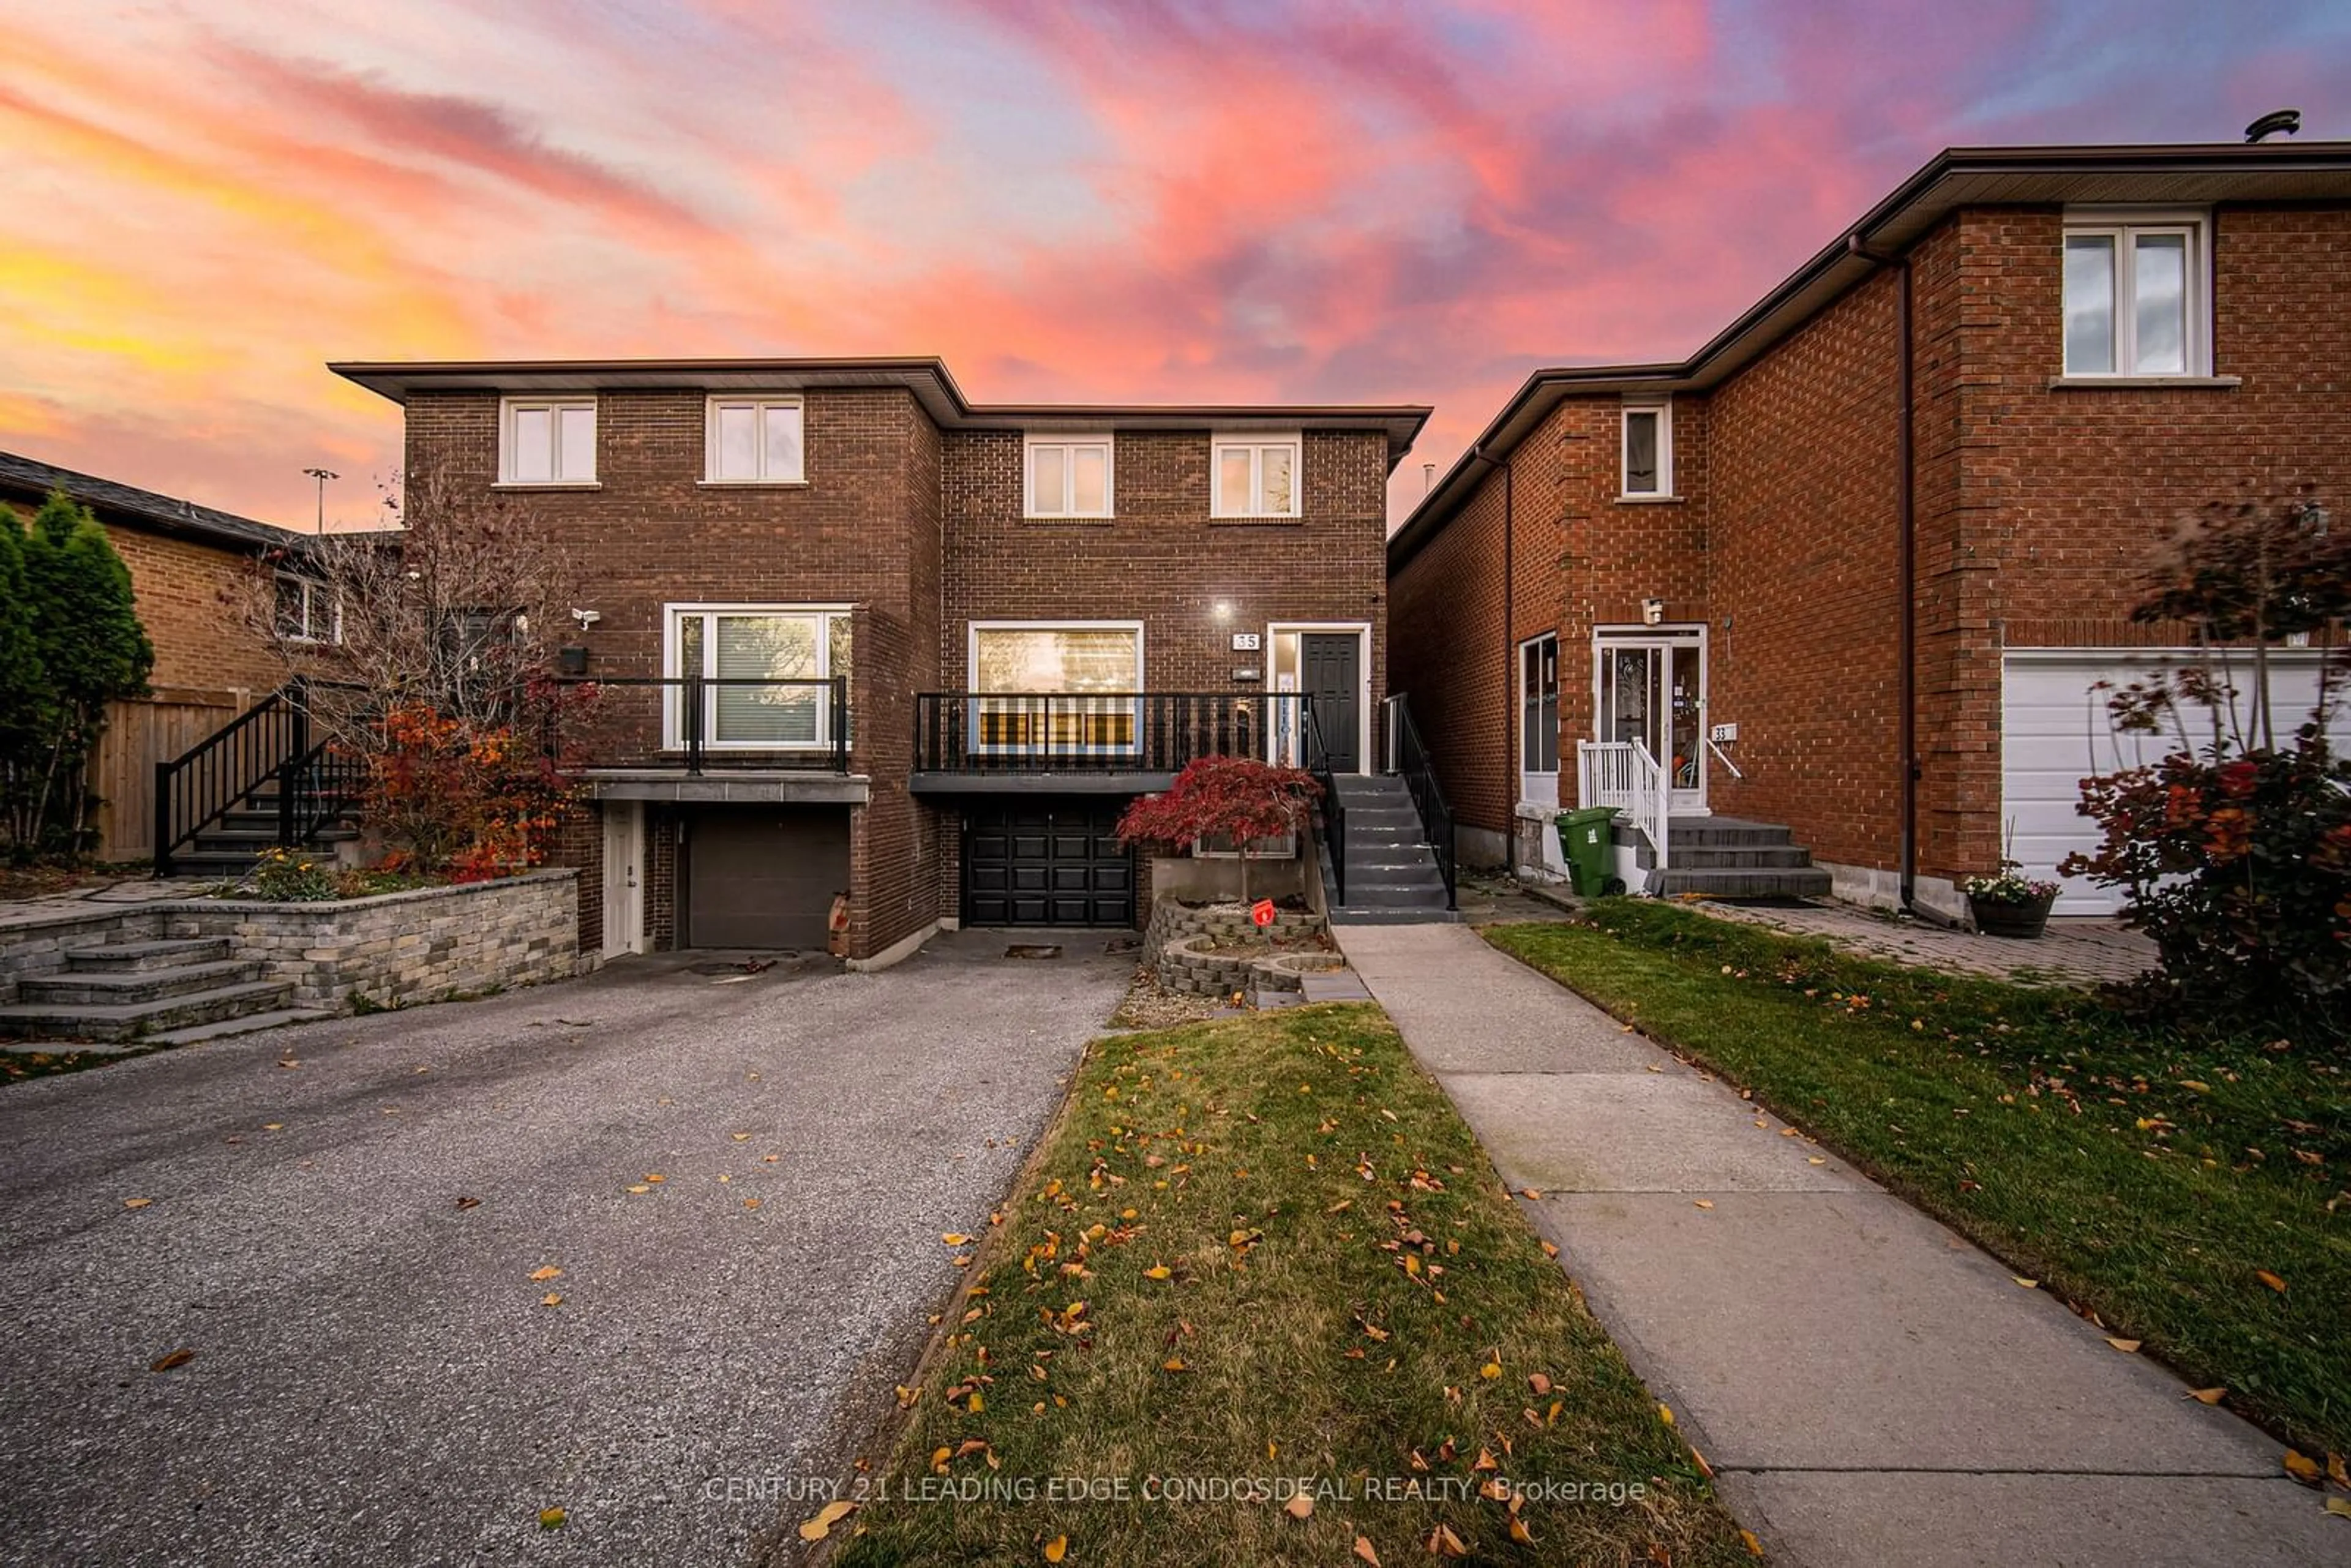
(1621, 773)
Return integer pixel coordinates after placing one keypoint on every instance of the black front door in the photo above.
(1047, 861)
(1334, 679)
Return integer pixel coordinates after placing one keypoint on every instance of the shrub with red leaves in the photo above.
(1235, 798)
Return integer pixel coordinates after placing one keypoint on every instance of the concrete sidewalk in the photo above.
(1870, 1388)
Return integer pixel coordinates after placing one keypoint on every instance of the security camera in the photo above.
(586, 618)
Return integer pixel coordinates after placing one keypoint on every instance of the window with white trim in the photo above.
(755, 441)
(772, 665)
(1069, 476)
(307, 610)
(1068, 688)
(2138, 299)
(1253, 477)
(547, 441)
(1648, 450)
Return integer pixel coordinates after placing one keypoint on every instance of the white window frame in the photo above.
(673, 617)
(1110, 704)
(759, 403)
(312, 591)
(2123, 226)
(1664, 409)
(1069, 444)
(1258, 443)
(508, 407)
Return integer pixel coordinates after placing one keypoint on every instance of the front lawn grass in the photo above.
(2188, 1186)
(1266, 1250)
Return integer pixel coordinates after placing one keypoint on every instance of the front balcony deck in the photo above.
(706, 738)
(1120, 743)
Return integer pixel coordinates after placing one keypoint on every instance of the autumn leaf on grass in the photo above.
(550, 1272)
(2301, 1467)
(1442, 1542)
(1159, 1271)
(1754, 1547)
(180, 1357)
(2272, 1281)
(1519, 1532)
(831, 1514)
(1057, 1548)
(1491, 1370)
(1366, 1552)
(1538, 1383)
(1299, 1507)
(552, 1518)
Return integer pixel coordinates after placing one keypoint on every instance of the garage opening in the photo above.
(763, 876)
(1052, 861)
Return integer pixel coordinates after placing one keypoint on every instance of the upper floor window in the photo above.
(1254, 476)
(2137, 294)
(1069, 476)
(547, 441)
(306, 611)
(1648, 450)
(756, 441)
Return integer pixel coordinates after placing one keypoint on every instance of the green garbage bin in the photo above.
(1584, 837)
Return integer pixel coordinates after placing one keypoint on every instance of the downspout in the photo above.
(1906, 744)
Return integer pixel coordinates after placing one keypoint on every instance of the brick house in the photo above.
(853, 635)
(1845, 577)
(187, 562)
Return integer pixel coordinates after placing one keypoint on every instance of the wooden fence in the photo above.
(138, 736)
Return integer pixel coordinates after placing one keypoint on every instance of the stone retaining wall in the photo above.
(1178, 932)
(399, 949)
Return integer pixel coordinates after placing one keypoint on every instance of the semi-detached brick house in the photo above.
(946, 643)
(1852, 568)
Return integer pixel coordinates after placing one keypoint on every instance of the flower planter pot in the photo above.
(2001, 917)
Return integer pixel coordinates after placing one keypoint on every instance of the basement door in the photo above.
(1649, 685)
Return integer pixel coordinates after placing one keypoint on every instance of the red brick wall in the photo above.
(1451, 658)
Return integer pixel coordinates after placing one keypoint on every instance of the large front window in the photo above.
(2136, 297)
(1066, 688)
(769, 669)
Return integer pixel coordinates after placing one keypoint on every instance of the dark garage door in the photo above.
(764, 876)
(1046, 862)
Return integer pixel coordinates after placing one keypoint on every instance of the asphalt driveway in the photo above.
(376, 1377)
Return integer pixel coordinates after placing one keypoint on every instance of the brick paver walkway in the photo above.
(2073, 952)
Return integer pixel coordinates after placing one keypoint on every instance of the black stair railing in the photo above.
(1407, 757)
(1332, 809)
(274, 742)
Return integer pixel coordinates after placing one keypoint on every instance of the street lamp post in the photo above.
(322, 476)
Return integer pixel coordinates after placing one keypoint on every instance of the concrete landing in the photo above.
(1870, 1388)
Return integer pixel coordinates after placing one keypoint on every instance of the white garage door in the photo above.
(2054, 732)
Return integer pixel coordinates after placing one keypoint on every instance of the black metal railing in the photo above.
(274, 744)
(1332, 811)
(1403, 754)
(705, 722)
(1098, 732)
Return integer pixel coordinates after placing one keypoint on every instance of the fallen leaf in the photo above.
(1666, 1413)
(2340, 1507)
(1702, 1202)
(2272, 1281)
(469, 1203)
(273, 1127)
(1816, 1160)
(1538, 1383)
(180, 1357)
(954, 1238)
(1529, 1192)
(750, 1203)
(2205, 1396)
(2124, 1344)
(2336, 1473)
(1492, 1369)
(550, 1300)
(831, 1514)
(2028, 1284)
(640, 1187)
(1299, 1507)
(1173, 1364)
(1519, 1532)
(655, 1177)
(1365, 1552)
(550, 1272)
(552, 1518)
(1057, 1548)
(136, 1202)
(2301, 1467)
(1442, 1542)
(1159, 1271)
(740, 1137)
(1550, 1251)
(288, 1063)
(1754, 1547)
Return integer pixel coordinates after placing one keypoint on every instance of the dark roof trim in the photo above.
(117, 503)
(2189, 174)
(927, 379)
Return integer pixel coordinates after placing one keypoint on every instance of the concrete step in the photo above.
(165, 953)
(134, 1019)
(1352, 914)
(250, 1024)
(1353, 787)
(1417, 893)
(1707, 857)
(1806, 882)
(123, 987)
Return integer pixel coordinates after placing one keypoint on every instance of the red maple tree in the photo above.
(1234, 798)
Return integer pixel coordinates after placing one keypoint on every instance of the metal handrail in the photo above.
(1333, 810)
(1724, 758)
(1410, 759)
(272, 740)
(1098, 732)
(686, 714)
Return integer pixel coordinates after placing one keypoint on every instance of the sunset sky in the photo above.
(1262, 201)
